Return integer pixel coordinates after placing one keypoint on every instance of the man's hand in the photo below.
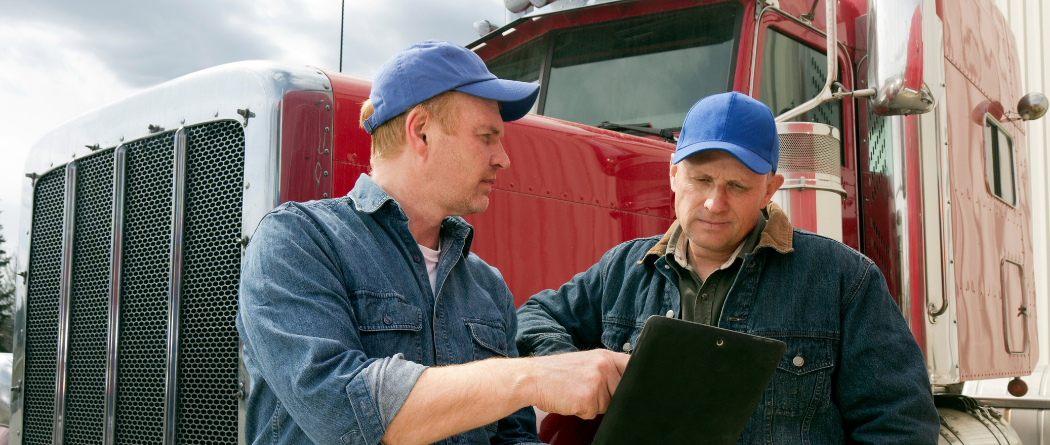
(452, 399)
(579, 383)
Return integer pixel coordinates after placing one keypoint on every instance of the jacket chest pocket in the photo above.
(388, 325)
(488, 338)
(619, 338)
(802, 381)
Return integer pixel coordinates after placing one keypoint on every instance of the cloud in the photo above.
(146, 43)
(43, 83)
(381, 28)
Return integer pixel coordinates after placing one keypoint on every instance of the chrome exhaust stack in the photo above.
(810, 161)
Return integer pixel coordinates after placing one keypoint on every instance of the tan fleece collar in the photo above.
(777, 234)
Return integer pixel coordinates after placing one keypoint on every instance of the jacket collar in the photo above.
(368, 197)
(777, 234)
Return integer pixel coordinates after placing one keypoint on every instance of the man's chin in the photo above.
(469, 208)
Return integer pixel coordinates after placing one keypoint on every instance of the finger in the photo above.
(605, 398)
(612, 382)
(620, 360)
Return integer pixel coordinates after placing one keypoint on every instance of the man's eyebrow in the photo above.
(491, 130)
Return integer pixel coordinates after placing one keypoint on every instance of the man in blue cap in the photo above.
(852, 373)
(353, 310)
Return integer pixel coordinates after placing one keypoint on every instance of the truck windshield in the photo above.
(648, 69)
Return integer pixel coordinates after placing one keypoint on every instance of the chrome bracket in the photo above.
(246, 114)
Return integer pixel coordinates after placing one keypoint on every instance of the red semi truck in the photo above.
(136, 213)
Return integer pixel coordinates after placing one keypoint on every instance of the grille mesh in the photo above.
(208, 355)
(41, 346)
(809, 153)
(207, 384)
(89, 303)
(144, 291)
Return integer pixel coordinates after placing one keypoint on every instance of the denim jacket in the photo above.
(338, 320)
(861, 377)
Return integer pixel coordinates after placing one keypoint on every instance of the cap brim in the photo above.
(747, 157)
(515, 98)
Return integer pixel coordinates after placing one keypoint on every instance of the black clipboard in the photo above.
(689, 383)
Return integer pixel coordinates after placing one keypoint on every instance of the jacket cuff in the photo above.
(378, 392)
(545, 344)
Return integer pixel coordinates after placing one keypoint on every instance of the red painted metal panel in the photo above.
(352, 144)
(346, 175)
(306, 143)
(986, 231)
(979, 43)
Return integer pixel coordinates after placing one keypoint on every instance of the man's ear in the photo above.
(417, 125)
(674, 171)
(772, 185)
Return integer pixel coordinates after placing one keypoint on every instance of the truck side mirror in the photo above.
(895, 52)
(1032, 106)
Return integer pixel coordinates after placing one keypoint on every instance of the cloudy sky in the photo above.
(61, 58)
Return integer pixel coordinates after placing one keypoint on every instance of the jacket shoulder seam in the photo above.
(856, 285)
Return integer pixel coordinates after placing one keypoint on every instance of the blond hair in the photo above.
(388, 138)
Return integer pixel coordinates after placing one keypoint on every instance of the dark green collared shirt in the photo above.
(702, 300)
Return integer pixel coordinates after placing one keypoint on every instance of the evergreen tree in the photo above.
(7, 296)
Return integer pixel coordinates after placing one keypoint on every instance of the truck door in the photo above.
(790, 64)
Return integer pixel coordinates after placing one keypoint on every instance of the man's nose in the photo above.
(500, 160)
(716, 201)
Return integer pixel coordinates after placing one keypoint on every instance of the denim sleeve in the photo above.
(519, 427)
(565, 320)
(299, 327)
(883, 389)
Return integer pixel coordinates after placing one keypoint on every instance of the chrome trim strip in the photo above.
(1014, 402)
(19, 310)
(120, 155)
(901, 196)
(65, 289)
(178, 184)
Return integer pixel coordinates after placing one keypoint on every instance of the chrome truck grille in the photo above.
(142, 408)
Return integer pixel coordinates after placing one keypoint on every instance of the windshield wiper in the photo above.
(644, 128)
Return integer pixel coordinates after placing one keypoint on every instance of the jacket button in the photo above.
(704, 296)
(387, 320)
(415, 258)
(667, 266)
(627, 347)
(798, 361)
(670, 314)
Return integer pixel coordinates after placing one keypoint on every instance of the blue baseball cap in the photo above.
(734, 123)
(432, 67)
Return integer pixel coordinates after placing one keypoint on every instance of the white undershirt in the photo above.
(431, 258)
